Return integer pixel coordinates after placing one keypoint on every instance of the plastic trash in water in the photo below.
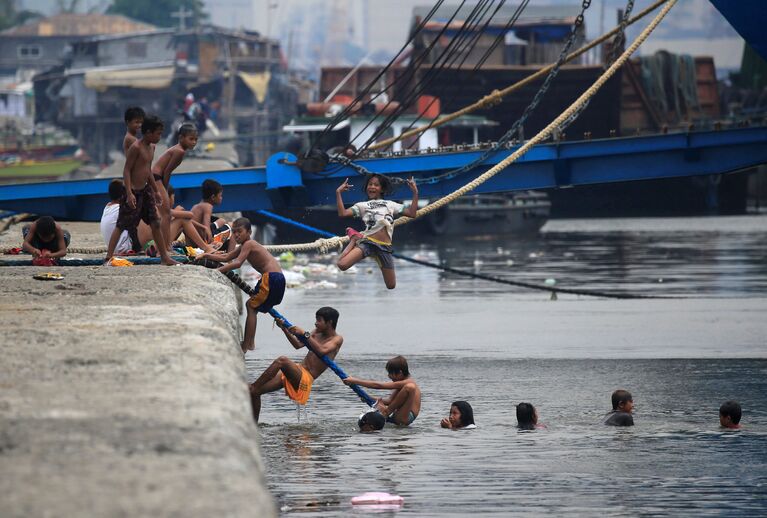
(377, 500)
(550, 282)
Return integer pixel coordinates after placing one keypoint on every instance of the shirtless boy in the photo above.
(216, 229)
(271, 286)
(297, 378)
(141, 190)
(164, 166)
(134, 117)
(404, 403)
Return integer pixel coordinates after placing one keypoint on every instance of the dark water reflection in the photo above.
(495, 346)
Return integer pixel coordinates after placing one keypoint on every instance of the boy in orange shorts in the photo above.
(297, 378)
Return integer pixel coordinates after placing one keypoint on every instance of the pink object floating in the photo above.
(378, 499)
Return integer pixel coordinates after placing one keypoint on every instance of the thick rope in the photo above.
(473, 275)
(326, 244)
(496, 96)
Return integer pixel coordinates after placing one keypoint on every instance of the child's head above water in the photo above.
(527, 416)
(622, 401)
(376, 186)
(461, 414)
(729, 414)
(371, 421)
(397, 368)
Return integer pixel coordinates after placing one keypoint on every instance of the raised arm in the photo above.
(292, 338)
(343, 212)
(412, 210)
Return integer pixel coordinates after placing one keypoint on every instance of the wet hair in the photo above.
(328, 314)
(45, 226)
(525, 416)
(386, 185)
(732, 410)
(621, 396)
(398, 365)
(467, 413)
(210, 188)
(116, 189)
(187, 129)
(171, 190)
(372, 418)
(241, 222)
(151, 123)
(133, 113)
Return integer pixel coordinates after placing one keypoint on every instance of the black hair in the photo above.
(241, 222)
(467, 413)
(151, 123)
(732, 410)
(171, 190)
(116, 189)
(328, 314)
(187, 129)
(525, 416)
(210, 188)
(386, 185)
(374, 419)
(621, 396)
(133, 113)
(45, 226)
(398, 365)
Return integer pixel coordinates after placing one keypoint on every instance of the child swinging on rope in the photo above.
(378, 215)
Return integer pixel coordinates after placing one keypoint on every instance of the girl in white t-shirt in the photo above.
(378, 215)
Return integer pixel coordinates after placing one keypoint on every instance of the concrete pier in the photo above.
(123, 393)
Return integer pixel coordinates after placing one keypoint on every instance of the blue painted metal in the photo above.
(545, 166)
(330, 363)
(749, 18)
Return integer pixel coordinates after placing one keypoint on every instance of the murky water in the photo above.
(495, 346)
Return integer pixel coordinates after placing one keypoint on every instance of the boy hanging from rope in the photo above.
(378, 215)
(270, 288)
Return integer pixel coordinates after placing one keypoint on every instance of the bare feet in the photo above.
(169, 262)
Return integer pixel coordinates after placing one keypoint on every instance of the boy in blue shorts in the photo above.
(270, 288)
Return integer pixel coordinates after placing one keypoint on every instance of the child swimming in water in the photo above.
(461, 417)
(404, 403)
(371, 421)
(378, 215)
(729, 415)
(527, 417)
(623, 404)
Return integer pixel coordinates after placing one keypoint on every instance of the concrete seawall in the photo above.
(123, 393)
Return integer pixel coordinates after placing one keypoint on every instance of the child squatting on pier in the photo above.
(378, 215)
(270, 288)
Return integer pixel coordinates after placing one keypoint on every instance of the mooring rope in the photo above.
(474, 275)
(240, 283)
